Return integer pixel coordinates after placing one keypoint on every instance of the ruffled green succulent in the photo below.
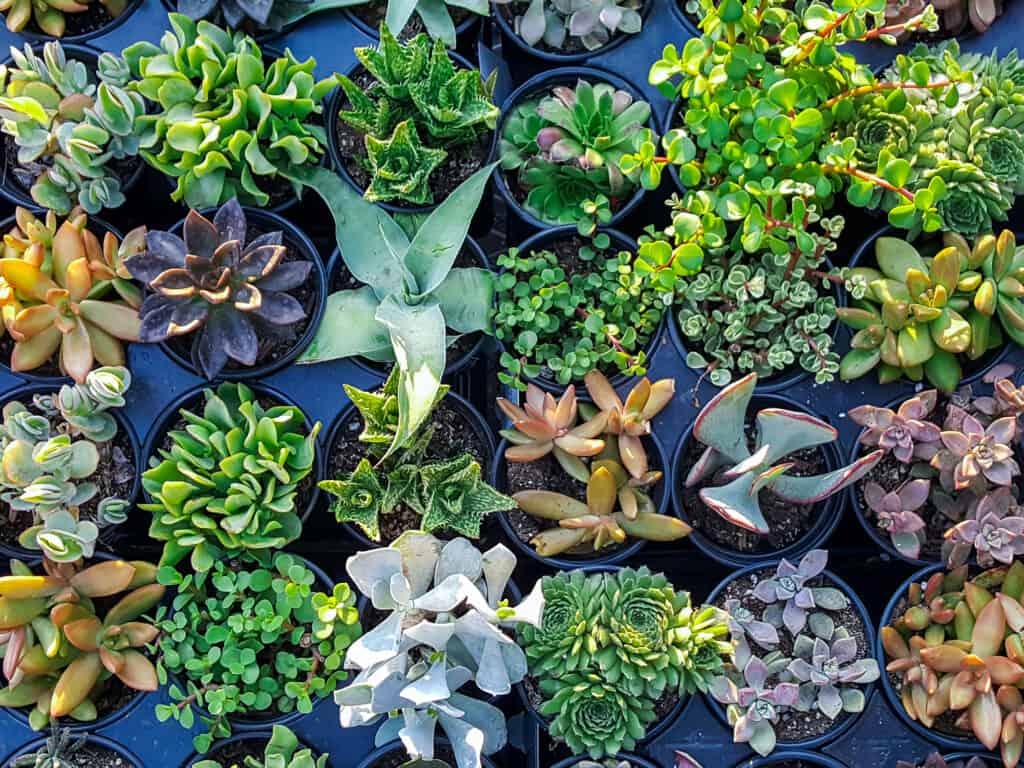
(225, 123)
(566, 639)
(69, 130)
(229, 480)
(282, 751)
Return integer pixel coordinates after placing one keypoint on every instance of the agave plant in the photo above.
(220, 285)
(720, 427)
(589, 23)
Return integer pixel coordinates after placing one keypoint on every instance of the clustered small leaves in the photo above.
(250, 635)
(565, 324)
(558, 24)
(609, 646)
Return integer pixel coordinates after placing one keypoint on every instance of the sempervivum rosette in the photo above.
(564, 641)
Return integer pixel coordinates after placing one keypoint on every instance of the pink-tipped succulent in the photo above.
(935, 760)
(754, 708)
(994, 532)
(896, 513)
(905, 432)
(976, 455)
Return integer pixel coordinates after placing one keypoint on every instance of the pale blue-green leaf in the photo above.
(348, 329)
(466, 297)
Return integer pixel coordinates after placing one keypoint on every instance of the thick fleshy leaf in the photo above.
(364, 335)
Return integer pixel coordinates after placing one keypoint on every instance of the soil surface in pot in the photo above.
(94, 756)
(572, 45)
(24, 176)
(342, 280)
(114, 477)
(235, 752)
(373, 15)
(454, 434)
(793, 725)
(274, 341)
(788, 522)
(94, 17)
(461, 163)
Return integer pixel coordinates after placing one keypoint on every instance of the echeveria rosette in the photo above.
(566, 639)
(788, 589)
(829, 666)
(993, 532)
(752, 706)
(896, 513)
(905, 433)
(976, 456)
(593, 716)
(743, 623)
(973, 199)
(591, 23)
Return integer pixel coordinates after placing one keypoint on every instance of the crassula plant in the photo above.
(954, 655)
(809, 663)
(251, 635)
(217, 284)
(230, 480)
(222, 121)
(611, 646)
(564, 150)
(51, 457)
(731, 475)
(71, 132)
(564, 323)
(65, 297)
(60, 650)
(919, 314)
(419, 110)
(413, 663)
(565, 26)
(956, 473)
(283, 750)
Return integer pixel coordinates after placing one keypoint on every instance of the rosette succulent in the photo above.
(561, 642)
(70, 131)
(790, 597)
(564, 24)
(753, 706)
(221, 286)
(905, 433)
(224, 122)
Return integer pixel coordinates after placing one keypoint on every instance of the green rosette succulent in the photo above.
(225, 122)
(565, 640)
(974, 199)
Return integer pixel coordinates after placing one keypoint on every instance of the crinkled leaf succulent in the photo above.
(283, 750)
(229, 481)
(413, 663)
(563, 24)
(720, 428)
(218, 284)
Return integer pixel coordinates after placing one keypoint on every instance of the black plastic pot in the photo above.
(194, 399)
(987, 757)
(472, 416)
(521, 223)
(296, 239)
(33, 36)
(656, 455)
(371, 760)
(541, 240)
(94, 740)
(10, 189)
(810, 757)
(25, 392)
(829, 510)
(336, 264)
(815, 744)
(946, 742)
(484, 216)
(633, 759)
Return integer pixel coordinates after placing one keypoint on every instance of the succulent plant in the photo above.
(283, 750)
(753, 706)
(255, 17)
(251, 635)
(587, 23)
(217, 283)
(417, 110)
(565, 150)
(59, 650)
(790, 595)
(58, 749)
(935, 760)
(561, 642)
(49, 15)
(744, 624)
(59, 305)
(896, 513)
(229, 481)
(720, 428)
(905, 433)
(994, 531)
(413, 663)
(824, 667)
(43, 464)
(225, 123)
(69, 131)
(999, 296)
(976, 456)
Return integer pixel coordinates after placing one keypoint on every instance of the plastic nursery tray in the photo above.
(877, 738)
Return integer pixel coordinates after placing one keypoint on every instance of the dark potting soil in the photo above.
(50, 368)
(342, 280)
(235, 752)
(24, 176)
(788, 522)
(96, 16)
(275, 341)
(114, 477)
(461, 163)
(92, 756)
(793, 725)
(373, 15)
(454, 434)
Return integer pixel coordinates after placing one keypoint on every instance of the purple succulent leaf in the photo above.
(743, 729)
(724, 690)
(201, 235)
(756, 673)
(621, 100)
(861, 671)
(914, 493)
(230, 221)
(800, 669)
(547, 137)
(786, 694)
(829, 701)
(804, 599)
(260, 261)
(762, 633)
(874, 495)
(610, 16)
(270, 238)
(564, 94)
(289, 275)
(871, 417)
(794, 617)
(156, 313)
(785, 568)
(565, 149)
(1000, 473)
(1003, 430)
(765, 591)
(209, 351)
(844, 649)
(163, 251)
(188, 316)
(813, 563)
(926, 451)
(582, 22)
(279, 309)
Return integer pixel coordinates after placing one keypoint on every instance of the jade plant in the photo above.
(61, 650)
(445, 626)
(222, 120)
(959, 459)
(218, 284)
(731, 474)
(954, 648)
(283, 750)
(229, 481)
(564, 150)
(65, 295)
(411, 297)
(565, 24)
(611, 645)
(46, 468)
(566, 324)
(70, 131)
(825, 670)
(252, 635)
(418, 110)
(918, 314)
(49, 15)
